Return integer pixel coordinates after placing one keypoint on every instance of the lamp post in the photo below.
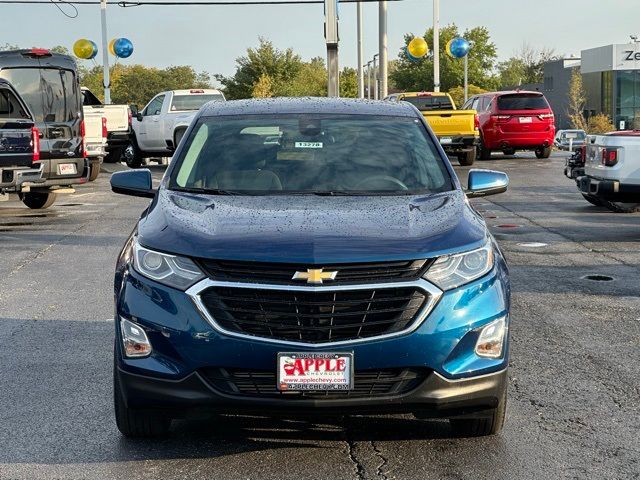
(466, 74)
(436, 45)
(331, 37)
(105, 53)
(375, 77)
(369, 80)
(360, 53)
(382, 48)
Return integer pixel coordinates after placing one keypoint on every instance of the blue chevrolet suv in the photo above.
(310, 256)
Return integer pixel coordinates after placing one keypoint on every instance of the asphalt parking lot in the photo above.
(574, 392)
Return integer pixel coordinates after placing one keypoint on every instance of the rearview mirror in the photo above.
(482, 183)
(136, 183)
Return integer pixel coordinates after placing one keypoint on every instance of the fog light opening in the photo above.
(134, 340)
(491, 339)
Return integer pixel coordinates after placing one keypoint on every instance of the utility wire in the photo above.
(57, 4)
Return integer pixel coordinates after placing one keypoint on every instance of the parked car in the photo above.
(310, 255)
(570, 139)
(607, 170)
(514, 120)
(95, 141)
(457, 130)
(118, 118)
(19, 142)
(159, 127)
(48, 83)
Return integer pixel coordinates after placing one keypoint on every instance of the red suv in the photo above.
(515, 120)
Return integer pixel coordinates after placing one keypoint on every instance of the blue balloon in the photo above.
(459, 47)
(123, 47)
(410, 57)
(95, 50)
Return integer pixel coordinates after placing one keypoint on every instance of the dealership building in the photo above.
(611, 79)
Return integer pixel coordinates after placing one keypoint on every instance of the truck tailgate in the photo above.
(445, 123)
(627, 151)
(117, 116)
(93, 128)
(16, 148)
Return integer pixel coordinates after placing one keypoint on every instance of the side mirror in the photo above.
(135, 112)
(482, 183)
(136, 183)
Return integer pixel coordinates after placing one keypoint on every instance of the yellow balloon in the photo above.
(83, 48)
(418, 47)
(111, 44)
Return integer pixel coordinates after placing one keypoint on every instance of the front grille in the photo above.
(314, 316)
(366, 383)
(282, 273)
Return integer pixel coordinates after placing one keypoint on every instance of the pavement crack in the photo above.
(382, 466)
(351, 450)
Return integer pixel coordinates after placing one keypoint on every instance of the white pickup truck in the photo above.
(159, 127)
(95, 141)
(118, 119)
(607, 170)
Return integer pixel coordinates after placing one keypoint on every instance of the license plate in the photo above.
(67, 169)
(445, 140)
(315, 371)
(526, 119)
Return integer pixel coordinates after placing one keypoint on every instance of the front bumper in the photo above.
(611, 190)
(436, 396)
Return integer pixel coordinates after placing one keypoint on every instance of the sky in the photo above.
(211, 38)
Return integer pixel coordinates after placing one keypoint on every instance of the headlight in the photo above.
(174, 271)
(452, 271)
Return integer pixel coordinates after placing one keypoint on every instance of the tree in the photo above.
(310, 80)
(280, 66)
(599, 124)
(577, 101)
(457, 93)
(408, 76)
(263, 88)
(349, 83)
(526, 66)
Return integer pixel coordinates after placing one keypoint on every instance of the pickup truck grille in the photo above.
(282, 273)
(314, 316)
(366, 383)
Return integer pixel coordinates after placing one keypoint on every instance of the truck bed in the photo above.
(451, 123)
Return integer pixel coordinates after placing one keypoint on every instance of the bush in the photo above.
(599, 124)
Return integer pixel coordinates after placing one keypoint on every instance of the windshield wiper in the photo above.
(207, 191)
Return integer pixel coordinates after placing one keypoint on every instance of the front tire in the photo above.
(38, 200)
(133, 155)
(136, 423)
(480, 427)
(544, 152)
(620, 207)
(467, 158)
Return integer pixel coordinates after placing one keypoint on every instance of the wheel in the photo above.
(620, 207)
(484, 153)
(467, 158)
(177, 137)
(480, 427)
(509, 151)
(593, 200)
(132, 155)
(94, 171)
(544, 152)
(136, 423)
(113, 156)
(38, 200)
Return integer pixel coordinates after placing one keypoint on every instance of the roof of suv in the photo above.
(26, 58)
(319, 105)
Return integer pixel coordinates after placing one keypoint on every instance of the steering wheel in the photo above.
(383, 178)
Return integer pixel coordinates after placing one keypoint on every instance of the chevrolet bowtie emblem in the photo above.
(316, 276)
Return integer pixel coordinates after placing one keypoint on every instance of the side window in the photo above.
(474, 104)
(155, 107)
(10, 106)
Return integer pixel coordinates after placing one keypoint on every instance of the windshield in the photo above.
(192, 102)
(522, 101)
(576, 135)
(425, 103)
(51, 93)
(315, 154)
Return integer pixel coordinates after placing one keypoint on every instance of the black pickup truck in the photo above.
(19, 142)
(48, 84)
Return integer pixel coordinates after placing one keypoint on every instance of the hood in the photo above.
(311, 229)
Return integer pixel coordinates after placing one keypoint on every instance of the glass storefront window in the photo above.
(627, 99)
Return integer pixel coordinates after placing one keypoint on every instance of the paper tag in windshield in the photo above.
(308, 145)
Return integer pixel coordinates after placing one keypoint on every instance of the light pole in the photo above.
(105, 53)
(436, 45)
(382, 48)
(466, 74)
(360, 54)
(369, 80)
(375, 77)
(331, 37)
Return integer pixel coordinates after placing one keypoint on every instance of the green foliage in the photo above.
(599, 124)
(577, 101)
(310, 80)
(526, 66)
(263, 88)
(349, 83)
(409, 76)
(280, 66)
(137, 84)
(457, 93)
